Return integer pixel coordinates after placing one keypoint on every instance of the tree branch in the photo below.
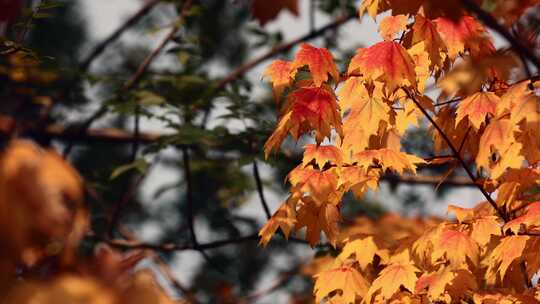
(457, 155)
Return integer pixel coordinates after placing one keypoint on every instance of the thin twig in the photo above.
(457, 155)
(126, 198)
(143, 11)
(260, 189)
(189, 196)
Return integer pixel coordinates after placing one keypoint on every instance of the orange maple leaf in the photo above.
(281, 75)
(477, 107)
(455, 247)
(391, 25)
(509, 249)
(388, 159)
(284, 218)
(319, 62)
(385, 61)
(424, 30)
(464, 34)
(317, 183)
(530, 220)
(322, 155)
(308, 109)
(317, 217)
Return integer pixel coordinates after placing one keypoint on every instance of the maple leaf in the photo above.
(421, 65)
(520, 103)
(317, 183)
(369, 113)
(284, 218)
(319, 62)
(317, 217)
(435, 283)
(281, 75)
(509, 249)
(265, 11)
(346, 279)
(322, 155)
(364, 120)
(385, 61)
(462, 214)
(477, 107)
(400, 272)
(531, 144)
(471, 74)
(498, 137)
(309, 108)
(424, 31)
(41, 199)
(364, 251)
(465, 33)
(389, 159)
(455, 247)
(530, 220)
(351, 92)
(359, 180)
(483, 228)
(391, 25)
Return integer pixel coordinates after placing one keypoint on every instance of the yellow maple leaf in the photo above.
(509, 249)
(284, 218)
(388, 159)
(498, 149)
(352, 92)
(322, 155)
(345, 279)
(364, 250)
(400, 272)
(483, 228)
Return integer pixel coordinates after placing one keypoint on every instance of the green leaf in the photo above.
(140, 165)
(148, 98)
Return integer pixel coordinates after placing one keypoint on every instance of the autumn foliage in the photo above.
(436, 68)
(481, 118)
